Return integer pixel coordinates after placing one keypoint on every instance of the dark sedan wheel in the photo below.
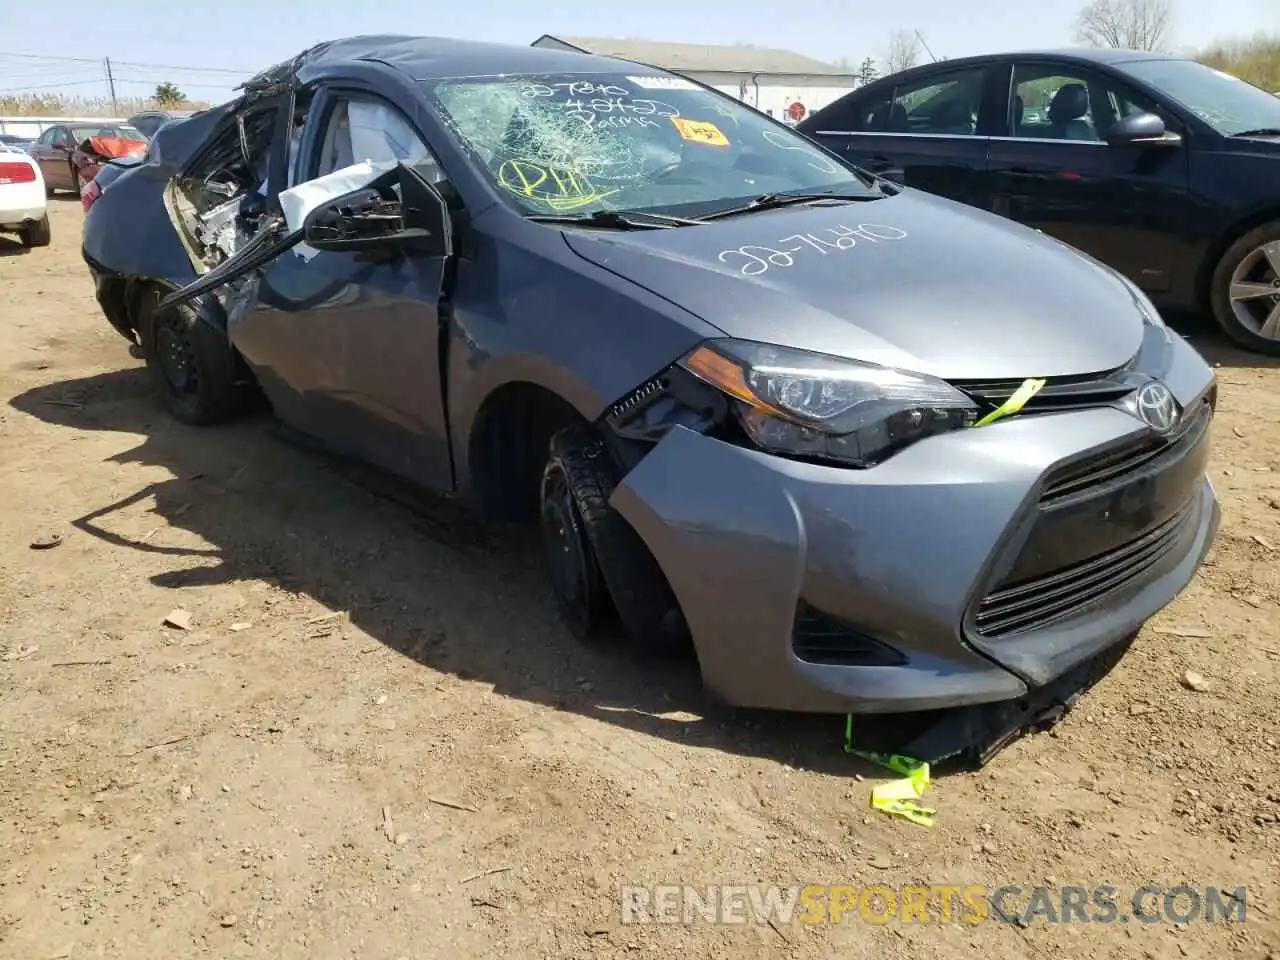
(596, 560)
(1246, 290)
(192, 365)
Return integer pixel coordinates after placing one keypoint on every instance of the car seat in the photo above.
(1068, 114)
(899, 121)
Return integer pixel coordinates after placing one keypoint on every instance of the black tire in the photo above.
(1237, 255)
(192, 365)
(38, 234)
(580, 465)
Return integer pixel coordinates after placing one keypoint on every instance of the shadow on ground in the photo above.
(418, 575)
(1207, 337)
(12, 247)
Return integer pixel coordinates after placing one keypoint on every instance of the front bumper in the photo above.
(967, 569)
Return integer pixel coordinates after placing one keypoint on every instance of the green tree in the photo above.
(168, 94)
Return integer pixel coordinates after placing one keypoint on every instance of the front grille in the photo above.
(1120, 461)
(1038, 602)
(819, 638)
(1057, 395)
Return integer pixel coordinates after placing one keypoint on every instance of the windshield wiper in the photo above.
(615, 219)
(1260, 132)
(772, 201)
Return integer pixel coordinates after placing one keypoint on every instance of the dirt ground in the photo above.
(222, 790)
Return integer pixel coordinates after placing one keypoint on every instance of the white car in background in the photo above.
(23, 205)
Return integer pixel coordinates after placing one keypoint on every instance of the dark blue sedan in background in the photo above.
(1163, 168)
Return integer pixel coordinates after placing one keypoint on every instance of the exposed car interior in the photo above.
(218, 200)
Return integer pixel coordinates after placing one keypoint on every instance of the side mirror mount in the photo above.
(397, 209)
(1142, 129)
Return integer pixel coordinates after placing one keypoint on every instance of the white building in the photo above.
(785, 85)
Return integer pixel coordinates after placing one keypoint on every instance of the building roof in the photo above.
(426, 58)
(701, 57)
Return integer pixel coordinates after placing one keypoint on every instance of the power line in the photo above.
(40, 56)
(161, 66)
(53, 86)
(128, 63)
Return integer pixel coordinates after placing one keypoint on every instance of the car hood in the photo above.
(911, 281)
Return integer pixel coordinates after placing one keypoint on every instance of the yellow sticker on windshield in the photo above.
(700, 131)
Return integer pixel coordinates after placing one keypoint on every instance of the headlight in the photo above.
(811, 405)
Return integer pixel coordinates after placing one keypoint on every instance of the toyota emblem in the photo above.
(1156, 406)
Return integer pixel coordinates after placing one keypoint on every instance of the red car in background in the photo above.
(70, 155)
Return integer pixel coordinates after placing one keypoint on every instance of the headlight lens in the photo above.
(811, 405)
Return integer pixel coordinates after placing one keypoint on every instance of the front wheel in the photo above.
(596, 559)
(1245, 290)
(192, 365)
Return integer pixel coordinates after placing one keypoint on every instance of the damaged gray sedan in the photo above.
(755, 397)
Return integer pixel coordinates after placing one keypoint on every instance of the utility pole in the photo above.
(111, 85)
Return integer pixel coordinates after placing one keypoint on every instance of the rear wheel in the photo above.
(593, 554)
(192, 365)
(1245, 290)
(37, 234)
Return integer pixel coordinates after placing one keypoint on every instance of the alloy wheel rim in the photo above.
(1255, 291)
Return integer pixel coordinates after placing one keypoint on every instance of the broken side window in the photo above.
(360, 130)
(361, 139)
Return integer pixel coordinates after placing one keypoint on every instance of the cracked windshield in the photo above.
(581, 143)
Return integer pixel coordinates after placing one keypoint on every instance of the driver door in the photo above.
(346, 343)
(1053, 170)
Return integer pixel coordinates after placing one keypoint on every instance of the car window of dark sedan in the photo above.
(554, 144)
(1060, 102)
(1228, 104)
(946, 105)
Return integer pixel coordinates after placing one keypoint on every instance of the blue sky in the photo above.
(209, 49)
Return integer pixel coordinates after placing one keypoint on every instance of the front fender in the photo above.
(529, 310)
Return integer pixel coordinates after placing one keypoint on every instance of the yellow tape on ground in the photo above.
(898, 798)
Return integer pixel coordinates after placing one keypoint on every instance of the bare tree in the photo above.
(1125, 24)
(904, 51)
